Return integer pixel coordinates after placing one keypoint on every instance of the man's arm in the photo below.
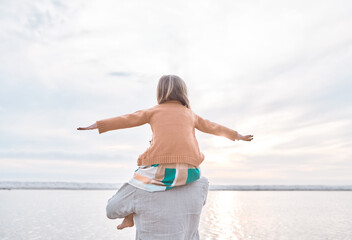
(122, 203)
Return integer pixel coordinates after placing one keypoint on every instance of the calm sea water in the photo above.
(259, 215)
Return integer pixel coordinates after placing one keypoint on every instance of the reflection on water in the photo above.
(237, 215)
(266, 215)
(225, 222)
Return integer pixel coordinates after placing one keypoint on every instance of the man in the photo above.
(173, 214)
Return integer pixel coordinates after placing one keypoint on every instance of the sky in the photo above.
(280, 70)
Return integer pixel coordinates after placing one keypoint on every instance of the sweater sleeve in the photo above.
(207, 126)
(125, 121)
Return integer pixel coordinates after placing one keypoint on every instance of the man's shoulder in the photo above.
(203, 180)
(202, 184)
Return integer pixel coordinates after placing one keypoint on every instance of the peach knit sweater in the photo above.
(173, 126)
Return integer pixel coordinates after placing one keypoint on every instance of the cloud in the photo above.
(119, 74)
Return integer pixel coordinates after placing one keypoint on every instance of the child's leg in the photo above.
(127, 222)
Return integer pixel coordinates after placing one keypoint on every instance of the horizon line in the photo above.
(61, 185)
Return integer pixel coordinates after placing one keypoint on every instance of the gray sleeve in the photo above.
(122, 203)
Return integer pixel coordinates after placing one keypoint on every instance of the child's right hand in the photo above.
(247, 138)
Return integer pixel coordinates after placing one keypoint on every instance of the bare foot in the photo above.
(127, 222)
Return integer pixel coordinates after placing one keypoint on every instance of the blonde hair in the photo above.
(172, 87)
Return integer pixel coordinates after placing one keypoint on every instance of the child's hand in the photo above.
(247, 138)
(84, 128)
(91, 127)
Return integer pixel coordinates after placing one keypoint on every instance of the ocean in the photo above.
(261, 215)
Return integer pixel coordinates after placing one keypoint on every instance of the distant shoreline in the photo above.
(12, 185)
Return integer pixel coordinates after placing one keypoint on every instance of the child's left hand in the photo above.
(246, 138)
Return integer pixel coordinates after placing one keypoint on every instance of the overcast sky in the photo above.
(280, 70)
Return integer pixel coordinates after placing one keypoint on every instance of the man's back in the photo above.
(173, 214)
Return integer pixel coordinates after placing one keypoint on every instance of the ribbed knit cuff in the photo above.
(234, 136)
(101, 127)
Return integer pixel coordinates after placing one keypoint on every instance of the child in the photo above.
(173, 157)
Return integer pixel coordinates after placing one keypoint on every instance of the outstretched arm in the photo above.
(207, 126)
(125, 121)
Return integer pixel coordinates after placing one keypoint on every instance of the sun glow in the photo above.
(222, 209)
